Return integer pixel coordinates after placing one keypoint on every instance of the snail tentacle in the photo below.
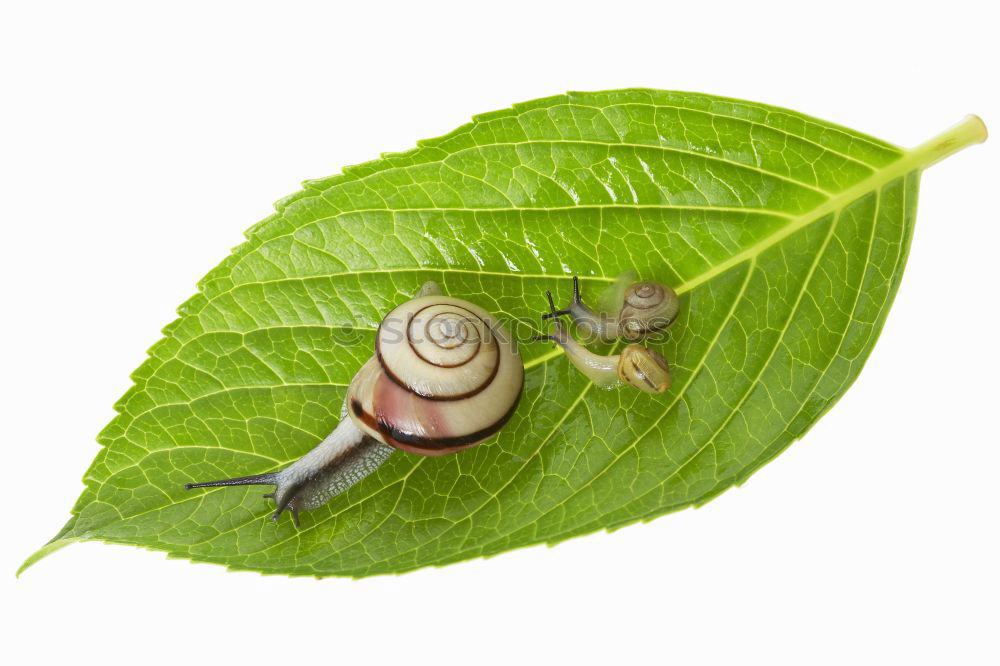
(591, 322)
(575, 305)
(599, 369)
(253, 480)
(338, 462)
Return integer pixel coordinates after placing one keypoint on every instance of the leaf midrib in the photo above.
(907, 162)
(880, 176)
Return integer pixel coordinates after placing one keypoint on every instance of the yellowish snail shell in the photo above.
(643, 368)
(446, 375)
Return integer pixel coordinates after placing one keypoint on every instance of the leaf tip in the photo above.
(42, 553)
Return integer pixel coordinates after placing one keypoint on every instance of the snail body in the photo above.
(643, 308)
(636, 365)
(445, 376)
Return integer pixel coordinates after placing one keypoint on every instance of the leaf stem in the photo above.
(969, 131)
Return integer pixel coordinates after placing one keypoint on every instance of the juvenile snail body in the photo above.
(636, 365)
(445, 376)
(644, 308)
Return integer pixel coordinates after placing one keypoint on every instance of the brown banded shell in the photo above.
(648, 306)
(446, 375)
(644, 368)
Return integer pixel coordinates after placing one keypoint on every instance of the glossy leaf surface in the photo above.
(786, 237)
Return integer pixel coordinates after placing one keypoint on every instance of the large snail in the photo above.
(446, 375)
(636, 365)
(636, 309)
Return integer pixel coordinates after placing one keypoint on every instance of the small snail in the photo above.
(646, 307)
(445, 376)
(637, 366)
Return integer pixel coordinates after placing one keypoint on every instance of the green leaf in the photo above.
(785, 235)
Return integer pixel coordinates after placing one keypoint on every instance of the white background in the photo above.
(138, 141)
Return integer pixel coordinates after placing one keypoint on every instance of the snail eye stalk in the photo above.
(576, 302)
(552, 308)
(255, 480)
(269, 479)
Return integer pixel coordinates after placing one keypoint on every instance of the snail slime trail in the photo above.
(450, 380)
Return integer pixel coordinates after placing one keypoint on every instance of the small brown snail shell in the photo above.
(446, 375)
(646, 307)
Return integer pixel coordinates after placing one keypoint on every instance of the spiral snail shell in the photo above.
(645, 307)
(450, 379)
(446, 375)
